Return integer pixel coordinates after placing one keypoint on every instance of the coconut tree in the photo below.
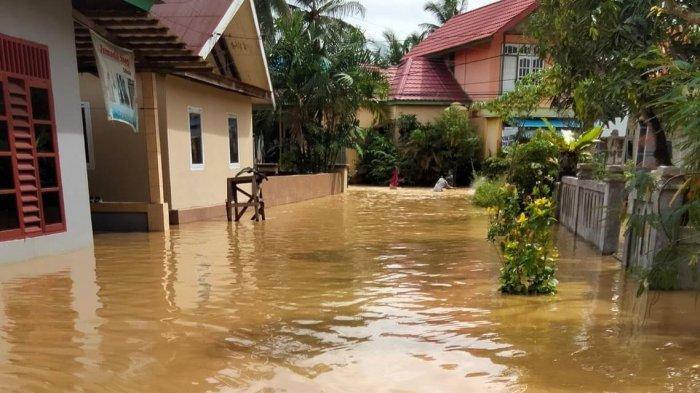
(394, 49)
(329, 11)
(320, 81)
(443, 10)
(267, 10)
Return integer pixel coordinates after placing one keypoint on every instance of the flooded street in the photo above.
(373, 291)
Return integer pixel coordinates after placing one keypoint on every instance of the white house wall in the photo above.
(50, 22)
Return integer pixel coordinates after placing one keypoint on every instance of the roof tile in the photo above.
(194, 21)
(423, 79)
(473, 26)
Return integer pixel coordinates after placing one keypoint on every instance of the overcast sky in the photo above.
(401, 16)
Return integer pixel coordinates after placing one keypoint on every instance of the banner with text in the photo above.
(118, 76)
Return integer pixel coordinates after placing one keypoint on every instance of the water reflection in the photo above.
(371, 291)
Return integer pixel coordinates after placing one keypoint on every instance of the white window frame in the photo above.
(85, 111)
(231, 164)
(199, 111)
(519, 52)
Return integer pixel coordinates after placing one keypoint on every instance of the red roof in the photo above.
(423, 79)
(193, 21)
(474, 25)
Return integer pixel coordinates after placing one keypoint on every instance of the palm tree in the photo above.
(443, 10)
(396, 49)
(329, 11)
(267, 10)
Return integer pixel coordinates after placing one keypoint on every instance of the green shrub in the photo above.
(434, 150)
(495, 167)
(487, 192)
(534, 167)
(524, 239)
(378, 158)
(529, 255)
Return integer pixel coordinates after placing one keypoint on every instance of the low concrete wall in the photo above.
(279, 190)
(592, 209)
(282, 190)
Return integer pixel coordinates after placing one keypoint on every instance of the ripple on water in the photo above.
(376, 290)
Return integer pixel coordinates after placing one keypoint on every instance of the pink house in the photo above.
(475, 56)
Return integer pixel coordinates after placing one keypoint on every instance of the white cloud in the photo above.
(401, 16)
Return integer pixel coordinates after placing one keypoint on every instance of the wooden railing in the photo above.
(592, 209)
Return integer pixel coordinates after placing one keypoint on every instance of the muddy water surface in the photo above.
(373, 291)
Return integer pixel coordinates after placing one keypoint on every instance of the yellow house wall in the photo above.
(119, 173)
(191, 188)
(490, 130)
(424, 113)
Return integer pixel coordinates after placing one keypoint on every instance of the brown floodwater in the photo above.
(372, 291)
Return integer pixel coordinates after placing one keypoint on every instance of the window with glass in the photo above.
(234, 159)
(519, 60)
(196, 142)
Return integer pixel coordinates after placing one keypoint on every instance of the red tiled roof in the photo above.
(473, 26)
(193, 21)
(423, 79)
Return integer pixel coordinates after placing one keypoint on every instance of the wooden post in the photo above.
(158, 211)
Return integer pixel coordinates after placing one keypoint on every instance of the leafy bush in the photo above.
(535, 166)
(378, 158)
(433, 150)
(487, 192)
(406, 124)
(495, 167)
(528, 252)
(524, 238)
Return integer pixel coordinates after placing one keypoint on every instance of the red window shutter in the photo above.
(26, 84)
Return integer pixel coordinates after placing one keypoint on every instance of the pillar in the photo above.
(158, 211)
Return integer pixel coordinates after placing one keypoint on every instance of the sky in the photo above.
(401, 16)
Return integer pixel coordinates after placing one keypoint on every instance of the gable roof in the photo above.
(423, 79)
(199, 23)
(473, 26)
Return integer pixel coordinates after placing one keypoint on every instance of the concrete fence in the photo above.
(282, 190)
(644, 242)
(592, 209)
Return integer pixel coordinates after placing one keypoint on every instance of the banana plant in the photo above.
(572, 148)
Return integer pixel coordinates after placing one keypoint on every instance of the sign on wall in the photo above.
(118, 76)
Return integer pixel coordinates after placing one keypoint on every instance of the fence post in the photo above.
(612, 209)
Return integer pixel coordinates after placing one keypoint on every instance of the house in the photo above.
(200, 68)
(202, 118)
(43, 187)
(474, 57)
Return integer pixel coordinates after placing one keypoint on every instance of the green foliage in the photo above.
(534, 166)
(572, 148)
(424, 152)
(317, 68)
(524, 238)
(529, 255)
(434, 150)
(503, 210)
(615, 57)
(405, 125)
(442, 11)
(378, 158)
(497, 166)
(487, 193)
(529, 94)
(393, 49)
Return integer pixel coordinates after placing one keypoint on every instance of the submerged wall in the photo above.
(282, 190)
